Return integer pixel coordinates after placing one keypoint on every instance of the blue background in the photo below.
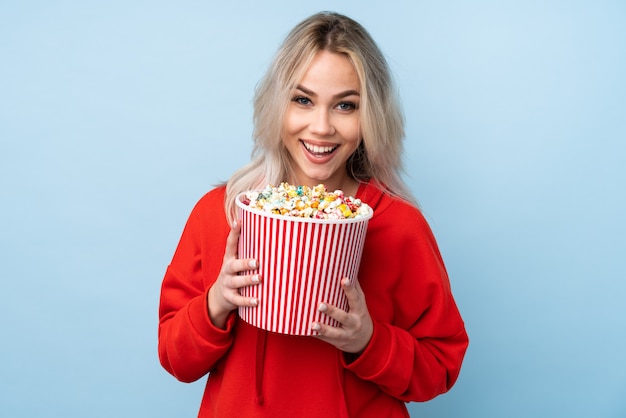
(116, 116)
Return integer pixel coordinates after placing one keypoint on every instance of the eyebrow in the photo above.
(336, 96)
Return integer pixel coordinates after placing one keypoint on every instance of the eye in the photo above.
(347, 106)
(301, 100)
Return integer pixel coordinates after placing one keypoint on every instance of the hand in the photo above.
(356, 327)
(224, 295)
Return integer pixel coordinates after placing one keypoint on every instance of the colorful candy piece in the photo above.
(305, 202)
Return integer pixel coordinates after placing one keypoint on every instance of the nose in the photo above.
(322, 124)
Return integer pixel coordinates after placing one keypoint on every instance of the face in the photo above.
(321, 127)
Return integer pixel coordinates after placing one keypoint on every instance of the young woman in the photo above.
(324, 113)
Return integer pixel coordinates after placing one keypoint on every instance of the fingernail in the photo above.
(323, 307)
(345, 282)
(234, 224)
(315, 326)
(254, 301)
(255, 278)
(252, 264)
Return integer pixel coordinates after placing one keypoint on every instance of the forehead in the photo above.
(329, 70)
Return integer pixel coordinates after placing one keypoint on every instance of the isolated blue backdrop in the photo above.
(116, 116)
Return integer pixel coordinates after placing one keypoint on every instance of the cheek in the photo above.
(352, 130)
(286, 125)
(292, 123)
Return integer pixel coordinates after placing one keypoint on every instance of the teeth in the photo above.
(319, 150)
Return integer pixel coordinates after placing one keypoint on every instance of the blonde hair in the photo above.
(379, 156)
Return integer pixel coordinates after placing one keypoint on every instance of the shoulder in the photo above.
(209, 210)
(399, 229)
(392, 211)
(401, 222)
(212, 201)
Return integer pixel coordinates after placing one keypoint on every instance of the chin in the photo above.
(317, 178)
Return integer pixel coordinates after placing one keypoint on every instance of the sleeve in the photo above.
(189, 345)
(418, 345)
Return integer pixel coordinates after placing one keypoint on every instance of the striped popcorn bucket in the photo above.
(301, 262)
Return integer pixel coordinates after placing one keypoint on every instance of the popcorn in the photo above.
(306, 202)
(307, 240)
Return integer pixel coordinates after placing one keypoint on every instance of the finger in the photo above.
(232, 241)
(326, 332)
(335, 313)
(354, 294)
(237, 266)
(238, 300)
(240, 281)
(245, 264)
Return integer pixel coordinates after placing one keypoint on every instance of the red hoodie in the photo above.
(415, 352)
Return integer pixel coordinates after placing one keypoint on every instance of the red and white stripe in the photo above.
(301, 262)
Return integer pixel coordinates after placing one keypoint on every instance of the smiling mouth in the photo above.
(319, 150)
